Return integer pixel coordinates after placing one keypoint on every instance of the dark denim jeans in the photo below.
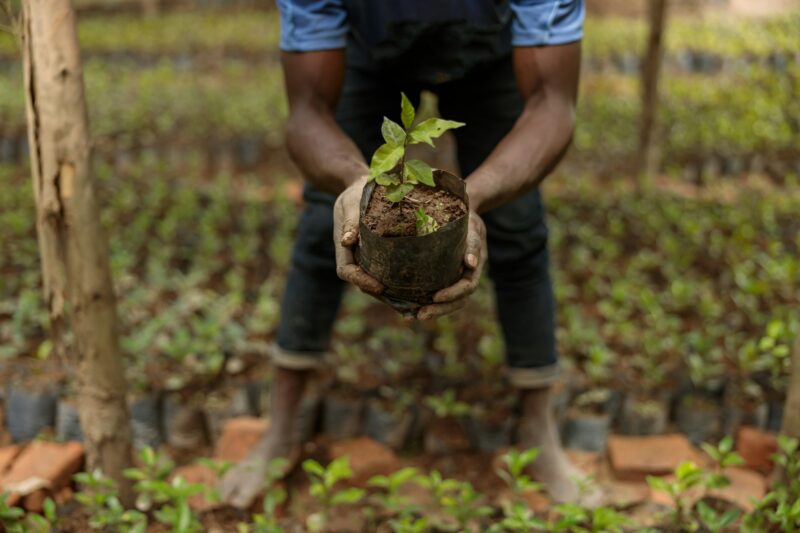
(489, 103)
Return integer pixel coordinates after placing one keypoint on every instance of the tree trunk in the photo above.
(791, 412)
(75, 268)
(649, 151)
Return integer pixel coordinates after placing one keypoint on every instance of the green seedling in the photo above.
(690, 480)
(169, 500)
(577, 519)
(392, 154)
(425, 223)
(154, 470)
(457, 499)
(266, 521)
(323, 481)
(780, 508)
(100, 498)
(389, 166)
(464, 508)
(514, 475)
(713, 521)
(390, 499)
(409, 524)
(446, 404)
(518, 518)
(175, 511)
(16, 520)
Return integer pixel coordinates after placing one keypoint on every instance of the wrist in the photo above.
(476, 195)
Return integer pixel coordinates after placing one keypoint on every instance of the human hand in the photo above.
(346, 213)
(455, 296)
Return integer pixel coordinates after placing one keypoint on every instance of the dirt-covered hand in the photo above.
(345, 237)
(455, 296)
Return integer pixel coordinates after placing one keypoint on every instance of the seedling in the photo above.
(691, 481)
(456, 498)
(176, 511)
(389, 166)
(15, 520)
(446, 404)
(153, 488)
(515, 477)
(323, 481)
(408, 524)
(713, 521)
(390, 498)
(266, 521)
(518, 517)
(579, 519)
(99, 496)
(780, 508)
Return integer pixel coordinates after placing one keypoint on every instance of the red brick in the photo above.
(7, 456)
(239, 437)
(745, 488)
(367, 458)
(635, 458)
(42, 466)
(756, 448)
(203, 475)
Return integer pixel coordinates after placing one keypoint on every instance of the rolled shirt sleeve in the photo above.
(310, 25)
(546, 22)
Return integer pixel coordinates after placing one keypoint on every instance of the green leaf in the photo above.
(407, 112)
(419, 171)
(658, 483)
(392, 132)
(387, 179)
(395, 193)
(351, 495)
(384, 159)
(432, 128)
(313, 467)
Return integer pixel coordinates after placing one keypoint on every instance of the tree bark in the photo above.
(791, 412)
(649, 151)
(73, 248)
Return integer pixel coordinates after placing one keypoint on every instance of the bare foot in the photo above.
(243, 483)
(561, 479)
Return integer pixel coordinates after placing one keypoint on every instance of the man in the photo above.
(509, 70)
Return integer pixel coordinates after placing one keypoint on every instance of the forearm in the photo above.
(326, 156)
(525, 156)
(547, 78)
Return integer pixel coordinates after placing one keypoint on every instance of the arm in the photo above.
(547, 78)
(328, 158)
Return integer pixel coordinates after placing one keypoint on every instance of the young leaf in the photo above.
(387, 179)
(420, 172)
(407, 112)
(351, 495)
(430, 129)
(395, 193)
(393, 134)
(384, 159)
(313, 467)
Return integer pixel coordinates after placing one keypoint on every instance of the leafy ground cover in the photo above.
(675, 310)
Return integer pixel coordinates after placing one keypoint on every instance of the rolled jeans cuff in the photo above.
(292, 360)
(534, 378)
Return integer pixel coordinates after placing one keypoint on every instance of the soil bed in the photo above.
(389, 219)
